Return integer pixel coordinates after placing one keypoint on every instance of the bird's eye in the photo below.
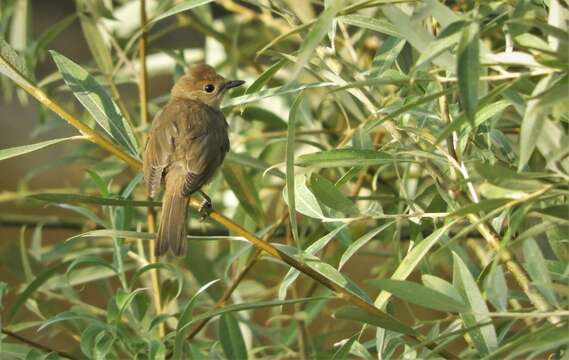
(209, 88)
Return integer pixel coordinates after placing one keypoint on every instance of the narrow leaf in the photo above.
(484, 338)
(305, 201)
(97, 101)
(97, 45)
(314, 36)
(418, 294)
(359, 243)
(182, 6)
(85, 199)
(346, 158)
(537, 269)
(12, 66)
(411, 260)
(378, 319)
(532, 123)
(231, 338)
(185, 319)
(371, 23)
(21, 150)
(316, 246)
(468, 69)
(290, 178)
(328, 194)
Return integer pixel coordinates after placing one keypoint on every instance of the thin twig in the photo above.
(151, 216)
(37, 345)
(142, 88)
(154, 277)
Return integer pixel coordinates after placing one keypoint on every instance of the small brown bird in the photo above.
(188, 141)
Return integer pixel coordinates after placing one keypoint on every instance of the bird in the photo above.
(187, 143)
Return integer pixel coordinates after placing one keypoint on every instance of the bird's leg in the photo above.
(205, 207)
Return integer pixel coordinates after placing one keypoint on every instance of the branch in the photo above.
(36, 345)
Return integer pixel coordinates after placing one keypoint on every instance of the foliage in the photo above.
(403, 164)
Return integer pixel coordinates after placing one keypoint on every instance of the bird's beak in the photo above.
(233, 83)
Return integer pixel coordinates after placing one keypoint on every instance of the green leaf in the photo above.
(418, 294)
(265, 77)
(103, 345)
(410, 105)
(247, 306)
(181, 6)
(344, 350)
(72, 315)
(556, 213)
(370, 23)
(412, 30)
(328, 194)
(124, 299)
(3, 288)
(316, 246)
(532, 123)
(442, 286)
(314, 37)
(484, 338)
(290, 177)
(346, 158)
(245, 190)
(155, 266)
(231, 338)
(537, 269)
(272, 92)
(185, 320)
(539, 341)
(482, 115)
(497, 288)
(157, 350)
(39, 280)
(437, 47)
(359, 243)
(336, 277)
(97, 101)
(361, 140)
(468, 69)
(304, 200)
(97, 45)
(89, 260)
(267, 117)
(411, 260)
(59, 198)
(378, 319)
(12, 66)
(482, 206)
(21, 150)
(491, 191)
(88, 337)
(249, 161)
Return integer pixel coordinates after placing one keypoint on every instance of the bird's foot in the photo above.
(205, 207)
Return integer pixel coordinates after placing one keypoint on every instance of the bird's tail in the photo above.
(172, 229)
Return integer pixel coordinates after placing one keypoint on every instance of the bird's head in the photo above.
(202, 83)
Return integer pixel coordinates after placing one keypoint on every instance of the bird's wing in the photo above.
(159, 149)
(206, 146)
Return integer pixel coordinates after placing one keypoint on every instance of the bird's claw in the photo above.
(205, 207)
